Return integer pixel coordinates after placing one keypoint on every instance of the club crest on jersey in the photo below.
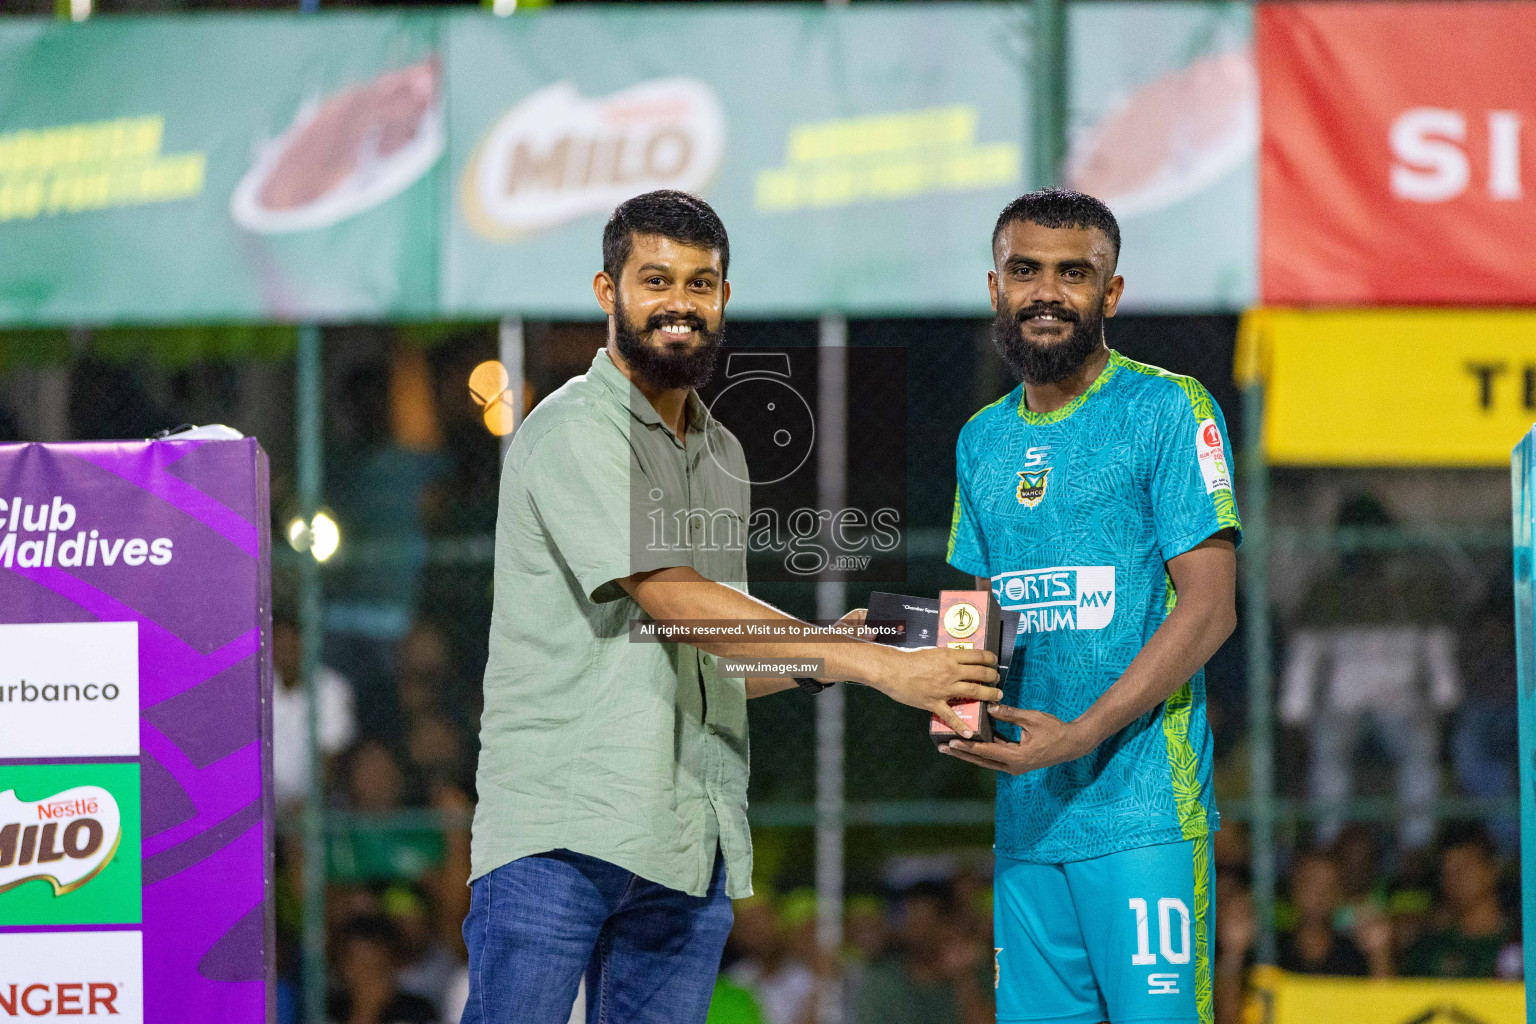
(1031, 490)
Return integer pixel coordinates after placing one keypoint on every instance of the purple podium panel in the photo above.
(136, 819)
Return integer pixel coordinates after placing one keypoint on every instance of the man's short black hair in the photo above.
(670, 214)
(377, 930)
(1060, 208)
(932, 889)
(1475, 834)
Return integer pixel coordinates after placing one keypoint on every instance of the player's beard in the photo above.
(1049, 362)
(667, 365)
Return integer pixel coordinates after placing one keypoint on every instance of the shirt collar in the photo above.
(640, 407)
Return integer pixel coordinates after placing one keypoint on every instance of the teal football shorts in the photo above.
(1122, 938)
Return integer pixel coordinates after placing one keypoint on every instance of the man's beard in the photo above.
(1047, 362)
(669, 365)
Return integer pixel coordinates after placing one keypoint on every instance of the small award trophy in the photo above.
(969, 619)
(959, 618)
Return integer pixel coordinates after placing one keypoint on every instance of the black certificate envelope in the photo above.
(917, 616)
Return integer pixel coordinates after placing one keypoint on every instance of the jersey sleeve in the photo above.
(967, 545)
(1192, 494)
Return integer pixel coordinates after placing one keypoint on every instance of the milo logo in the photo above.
(557, 155)
(65, 839)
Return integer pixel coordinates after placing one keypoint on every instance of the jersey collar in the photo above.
(1044, 419)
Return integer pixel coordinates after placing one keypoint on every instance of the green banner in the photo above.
(219, 168)
(858, 158)
(1164, 127)
(70, 844)
(457, 165)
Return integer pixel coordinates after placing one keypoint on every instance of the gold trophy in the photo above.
(969, 619)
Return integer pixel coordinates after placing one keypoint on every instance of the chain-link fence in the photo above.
(1412, 565)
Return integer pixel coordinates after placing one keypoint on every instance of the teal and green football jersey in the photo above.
(1073, 515)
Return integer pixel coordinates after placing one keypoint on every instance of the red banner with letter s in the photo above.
(1397, 153)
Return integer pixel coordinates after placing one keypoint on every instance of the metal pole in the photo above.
(311, 632)
(1261, 720)
(831, 602)
(1048, 92)
(509, 344)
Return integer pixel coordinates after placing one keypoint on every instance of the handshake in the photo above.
(948, 679)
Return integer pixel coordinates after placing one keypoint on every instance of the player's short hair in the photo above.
(1060, 208)
(671, 214)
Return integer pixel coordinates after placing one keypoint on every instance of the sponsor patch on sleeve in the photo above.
(1213, 457)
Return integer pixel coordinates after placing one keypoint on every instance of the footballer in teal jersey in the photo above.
(1096, 500)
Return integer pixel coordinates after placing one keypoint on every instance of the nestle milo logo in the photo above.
(558, 155)
(65, 839)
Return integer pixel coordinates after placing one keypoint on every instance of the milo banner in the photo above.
(393, 166)
(135, 823)
(1164, 108)
(858, 161)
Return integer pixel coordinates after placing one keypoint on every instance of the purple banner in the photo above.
(136, 819)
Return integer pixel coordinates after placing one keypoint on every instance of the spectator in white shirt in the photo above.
(290, 710)
(1371, 650)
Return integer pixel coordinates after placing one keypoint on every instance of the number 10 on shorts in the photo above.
(1167, 908)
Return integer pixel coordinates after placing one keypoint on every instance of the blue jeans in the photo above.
(1485, 747)
(650, 953)
(1412, 738)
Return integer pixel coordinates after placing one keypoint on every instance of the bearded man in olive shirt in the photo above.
(611, 832)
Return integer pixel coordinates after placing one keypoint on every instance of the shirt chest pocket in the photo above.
(718, 510)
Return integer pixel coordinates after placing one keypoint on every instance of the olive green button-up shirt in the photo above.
(632, 752)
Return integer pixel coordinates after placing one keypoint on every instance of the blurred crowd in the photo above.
(922, 954)
(1357, 900)
(1452, 911)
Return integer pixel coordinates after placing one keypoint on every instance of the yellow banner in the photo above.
(1389, 387)
(1280, 998)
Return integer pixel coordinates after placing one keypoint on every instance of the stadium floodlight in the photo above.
(325, 537)
(321, 537)
(490, 386)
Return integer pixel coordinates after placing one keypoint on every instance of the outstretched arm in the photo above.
(927, 678)
(1205, 579)
(762, 686)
